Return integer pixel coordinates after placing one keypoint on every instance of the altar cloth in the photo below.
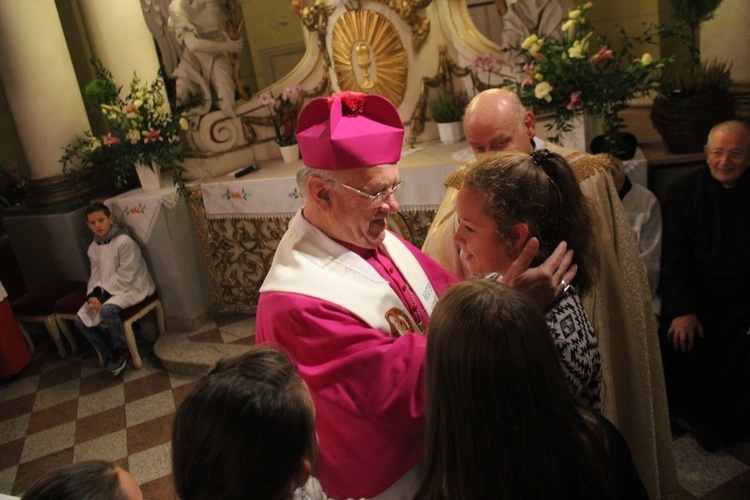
(139, 209)
(272, 191)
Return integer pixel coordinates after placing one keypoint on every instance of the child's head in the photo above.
(246, 430)
(506, 198)
(99, 219)
(91, 479)
(488, 345)
(494, 387)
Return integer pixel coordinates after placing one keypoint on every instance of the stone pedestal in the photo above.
(49, 244)
(176, 264)
(53, 244)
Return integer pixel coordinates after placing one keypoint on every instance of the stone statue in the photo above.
(195, 49)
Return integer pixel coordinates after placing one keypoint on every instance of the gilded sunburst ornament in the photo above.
(368, 55)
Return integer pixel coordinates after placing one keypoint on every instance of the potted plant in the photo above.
(143, 134)
(580, 72)
(695, 96)
(447, 110)
(283, 111)
(85, 162)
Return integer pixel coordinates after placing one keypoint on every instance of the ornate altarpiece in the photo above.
(397, 49)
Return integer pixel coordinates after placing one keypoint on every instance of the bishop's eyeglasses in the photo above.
(377, 198)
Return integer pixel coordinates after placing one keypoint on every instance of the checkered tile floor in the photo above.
(62, 411)
(723, 475)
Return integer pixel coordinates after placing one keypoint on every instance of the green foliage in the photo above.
(141, 129)
(694, 12)
(100, 90)
(284, 111)
(698, 77)
(447, 107)
(85, 154)
(709, 77)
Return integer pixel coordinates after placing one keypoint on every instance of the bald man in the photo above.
(706, 289)
(619, 306)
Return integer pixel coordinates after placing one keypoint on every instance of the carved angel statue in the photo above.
(195, 49)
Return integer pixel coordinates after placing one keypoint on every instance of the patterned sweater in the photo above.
(578, 349)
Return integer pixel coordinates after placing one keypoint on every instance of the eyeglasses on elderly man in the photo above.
(377, 198)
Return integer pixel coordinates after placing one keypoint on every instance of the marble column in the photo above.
(120, 39)
(42, 92)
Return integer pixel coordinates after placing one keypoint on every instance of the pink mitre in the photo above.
(349, 130)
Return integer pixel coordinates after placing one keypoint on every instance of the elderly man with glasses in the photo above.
(705, 285)
(350, 300)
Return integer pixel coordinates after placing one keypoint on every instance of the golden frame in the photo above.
(364, 38)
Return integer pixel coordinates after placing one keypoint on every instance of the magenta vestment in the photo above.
(366, 385)
(14, 353)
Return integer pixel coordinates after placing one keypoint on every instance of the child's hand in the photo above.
(94, 305)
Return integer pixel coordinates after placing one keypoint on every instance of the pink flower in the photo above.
(540, 57)
(110, 140)
(291, 92)
(604, 54)
(266, 99)
(485, 62)
(529, 80)
(152, 136)
(529, 67)
(575, 101)
(130, 111)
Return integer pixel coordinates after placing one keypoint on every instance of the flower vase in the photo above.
(290, 153)
(149, 176)
(584, 128)
(450, 132)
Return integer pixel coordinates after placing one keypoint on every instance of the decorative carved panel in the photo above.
(368, 55)
(239, 252)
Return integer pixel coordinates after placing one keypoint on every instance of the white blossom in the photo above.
(133, 136)
(530, 40)
(543, 91)
(569, 27)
